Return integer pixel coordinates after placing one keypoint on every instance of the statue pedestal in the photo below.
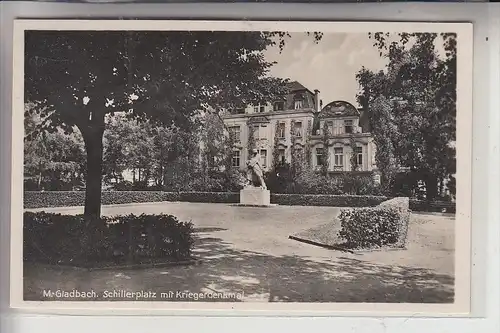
(254, 196)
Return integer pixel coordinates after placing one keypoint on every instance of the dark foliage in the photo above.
(326, 200)
(77, 198)
(68, 198)
(67, 240)
(384, 225)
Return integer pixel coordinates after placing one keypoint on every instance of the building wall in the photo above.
(267, 131)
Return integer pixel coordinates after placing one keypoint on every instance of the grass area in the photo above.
(325, 235)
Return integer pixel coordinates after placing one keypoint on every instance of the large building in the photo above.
(300, 119)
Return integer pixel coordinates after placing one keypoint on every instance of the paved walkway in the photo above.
(246, 250)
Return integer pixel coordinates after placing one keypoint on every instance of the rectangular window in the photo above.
(259, 108)
(281, 156)
(263, 157)
(236, 158)
(256, 132)
(319, 156)
(281, 130)
(359, 155)
(348, 126)
(298, 105)
(235, 133)
(339, 156)
(298, 129)
(278, 106)
(329, 125)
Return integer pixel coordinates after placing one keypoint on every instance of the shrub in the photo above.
(359, 185)
(215, 181)
(432, 206)
(215, 197)
(77, 198)
(385, 224)
(311, 182)
(326, 200)
(65, 239)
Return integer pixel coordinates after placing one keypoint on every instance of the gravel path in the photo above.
(245, 251)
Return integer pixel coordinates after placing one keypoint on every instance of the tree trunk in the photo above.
(92, 137)
(431, 186)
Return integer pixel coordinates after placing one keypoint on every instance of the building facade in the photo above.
(298, 120)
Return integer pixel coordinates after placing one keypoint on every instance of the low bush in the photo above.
(215, 197)
(326, 200)
(45, 199)
(358, 185)
(62, 198)
(77, 198)
(311, 182)
(66, 239)
(372, 227)
(432, 206)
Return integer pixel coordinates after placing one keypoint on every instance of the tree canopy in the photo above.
(411, 104)
(75, 78)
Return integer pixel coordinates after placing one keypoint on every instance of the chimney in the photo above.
(317, 101)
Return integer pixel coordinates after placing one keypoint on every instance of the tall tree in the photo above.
(53, 161)
(75, 78)
(412, 105)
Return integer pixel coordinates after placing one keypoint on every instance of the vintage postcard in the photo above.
(229, 167)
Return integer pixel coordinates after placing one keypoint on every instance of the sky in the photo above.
(329, 66)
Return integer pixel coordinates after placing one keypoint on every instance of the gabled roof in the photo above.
(295, 85)
(298, 91)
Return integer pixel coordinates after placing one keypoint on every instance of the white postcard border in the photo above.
(464, 176)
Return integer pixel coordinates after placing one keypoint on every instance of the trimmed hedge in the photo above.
(435, 206)
(215, 197)
(372, 227)
(77, 198)
(63, 198)
(326, 200)
(67, 239)
(34, 199)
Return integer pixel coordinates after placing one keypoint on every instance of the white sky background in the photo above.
(329, 66)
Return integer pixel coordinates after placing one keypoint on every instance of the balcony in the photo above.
(341, 131)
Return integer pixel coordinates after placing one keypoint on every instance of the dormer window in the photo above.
(329, 126)
(298, 105)
(279, 106)
(259, 108)
(348, 126)
(281, 130)
(297, 131)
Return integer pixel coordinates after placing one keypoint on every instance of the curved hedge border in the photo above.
(33, 199)
(375, 227)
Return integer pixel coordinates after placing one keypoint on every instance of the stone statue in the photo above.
(255, 174)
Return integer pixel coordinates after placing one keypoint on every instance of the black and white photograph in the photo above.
(242, 165)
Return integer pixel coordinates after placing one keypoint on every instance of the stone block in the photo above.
(254, 196)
